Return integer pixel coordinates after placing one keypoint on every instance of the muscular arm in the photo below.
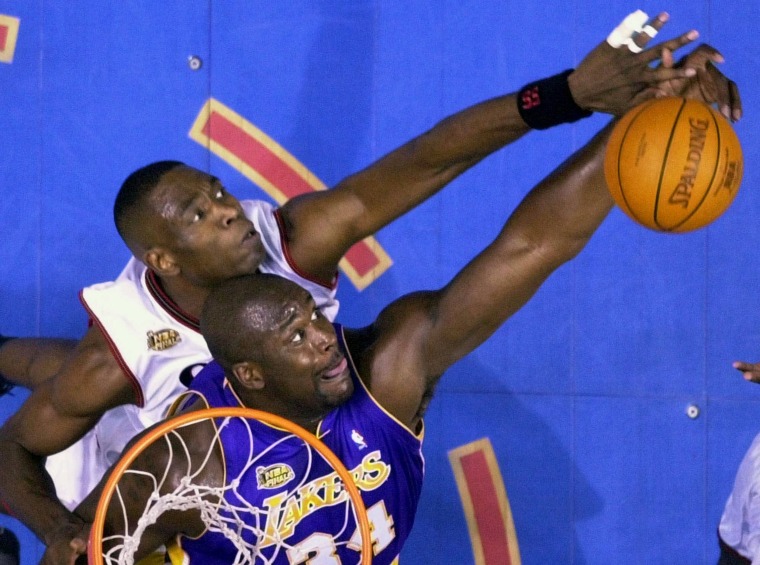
(322, 226)
(30, 361)
(551, 226)
(56, 415)
(418, 337)
(189, 456)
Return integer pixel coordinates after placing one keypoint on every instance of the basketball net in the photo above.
(223, 508)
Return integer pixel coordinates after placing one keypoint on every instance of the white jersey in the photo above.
(740, 524)
(160, 349)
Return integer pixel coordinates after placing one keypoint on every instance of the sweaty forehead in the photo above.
(280, 309)
(177, 190)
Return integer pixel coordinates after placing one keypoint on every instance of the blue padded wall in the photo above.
(582, 394)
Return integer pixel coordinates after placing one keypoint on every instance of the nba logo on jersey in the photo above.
(358, 439)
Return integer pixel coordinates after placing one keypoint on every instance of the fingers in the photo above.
(78, 546)
(716, 89)
(713, 84)
(701, 57)
(644, 95)
(735, 109)
(634, 32)
(664, 74)
(750, 371)
(744, 366)
(655, 52)
(648, 31)
(666, 59)
(621, 35)
(751, 377)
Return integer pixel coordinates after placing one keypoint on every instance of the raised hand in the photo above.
(614, 79)
(708, 85)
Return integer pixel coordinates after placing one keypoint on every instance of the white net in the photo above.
(261, 534)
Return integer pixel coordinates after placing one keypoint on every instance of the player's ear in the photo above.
(161, 262)
(249, 374)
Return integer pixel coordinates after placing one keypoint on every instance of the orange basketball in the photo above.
(673, 165)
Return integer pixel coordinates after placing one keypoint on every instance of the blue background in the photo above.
(583, 393)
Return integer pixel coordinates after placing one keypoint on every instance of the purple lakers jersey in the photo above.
(293, 505)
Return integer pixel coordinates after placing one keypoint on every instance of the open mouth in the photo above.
(336, 371)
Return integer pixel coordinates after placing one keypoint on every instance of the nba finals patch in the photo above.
(163, 339)
(274, 475)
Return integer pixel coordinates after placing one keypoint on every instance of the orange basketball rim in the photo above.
(95, 550)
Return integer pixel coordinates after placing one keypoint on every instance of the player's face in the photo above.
(305, 368)
(205, 228)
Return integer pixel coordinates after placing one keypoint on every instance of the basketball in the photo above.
(673, 165)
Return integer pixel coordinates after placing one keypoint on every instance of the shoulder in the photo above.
(401, 325)
(392, 355)
(209, 384)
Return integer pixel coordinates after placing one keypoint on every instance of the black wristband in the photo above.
(548, 102)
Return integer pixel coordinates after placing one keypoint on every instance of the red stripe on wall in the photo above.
(255, 155)
(362, 258)
(485, 502)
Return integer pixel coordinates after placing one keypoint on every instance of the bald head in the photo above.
(242, 311)
(132, 203)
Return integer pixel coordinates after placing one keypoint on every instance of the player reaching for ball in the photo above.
(713, 90)
(22, 437)
(275, 352)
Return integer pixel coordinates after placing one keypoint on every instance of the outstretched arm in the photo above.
(418, 337)
(29, 361)
(322, 226)
(55, 415)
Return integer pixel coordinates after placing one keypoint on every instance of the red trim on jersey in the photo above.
(164, 300)
(286, 253)
(116, 355)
